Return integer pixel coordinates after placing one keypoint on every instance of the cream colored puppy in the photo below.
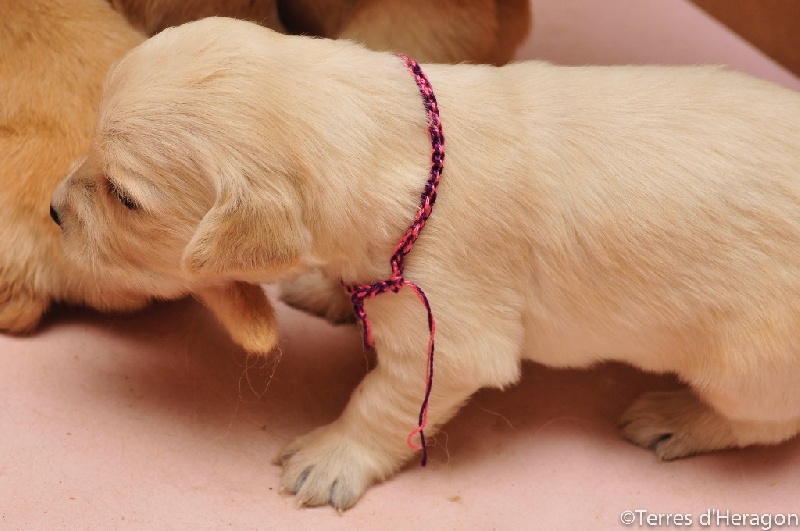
(649, 215)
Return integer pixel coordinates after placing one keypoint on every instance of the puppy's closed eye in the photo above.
(121, 195)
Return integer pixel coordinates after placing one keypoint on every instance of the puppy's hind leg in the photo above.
(744, 393)
(677, 424)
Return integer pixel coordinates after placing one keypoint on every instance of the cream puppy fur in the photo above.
(649, 215)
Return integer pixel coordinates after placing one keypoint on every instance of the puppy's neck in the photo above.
(364, 160)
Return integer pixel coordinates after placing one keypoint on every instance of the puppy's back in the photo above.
(646, 193)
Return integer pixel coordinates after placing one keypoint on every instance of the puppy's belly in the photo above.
(568, 344)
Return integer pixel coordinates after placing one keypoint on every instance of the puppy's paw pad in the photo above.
(326, 467)
(674, 424)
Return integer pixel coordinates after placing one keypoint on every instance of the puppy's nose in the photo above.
(54, 215)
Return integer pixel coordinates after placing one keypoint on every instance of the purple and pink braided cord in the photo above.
(359, 293)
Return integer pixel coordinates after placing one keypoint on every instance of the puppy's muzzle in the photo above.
(54, 215)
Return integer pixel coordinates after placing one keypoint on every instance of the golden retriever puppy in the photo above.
(445, 31)
(649, 215)
(452, 31)
(55, 56)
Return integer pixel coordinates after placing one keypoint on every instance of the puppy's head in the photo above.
(186, 181)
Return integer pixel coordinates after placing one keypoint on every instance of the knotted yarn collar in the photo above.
(360, 293)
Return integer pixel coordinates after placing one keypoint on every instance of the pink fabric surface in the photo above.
(157, 421)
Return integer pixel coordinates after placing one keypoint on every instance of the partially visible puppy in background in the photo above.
(152, 16)
(55, 54)
(441, 31)
(444, 31)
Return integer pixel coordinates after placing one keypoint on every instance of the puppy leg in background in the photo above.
(318, 295)
(20, 309)
(246, 313)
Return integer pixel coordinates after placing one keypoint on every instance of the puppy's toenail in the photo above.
(302, 479)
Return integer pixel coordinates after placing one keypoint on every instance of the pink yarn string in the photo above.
(359, 293)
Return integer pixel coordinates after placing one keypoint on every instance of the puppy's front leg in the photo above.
(20, 309)
(246, 313)
(336, 463)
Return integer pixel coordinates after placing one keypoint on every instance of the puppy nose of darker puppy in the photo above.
(54, 215)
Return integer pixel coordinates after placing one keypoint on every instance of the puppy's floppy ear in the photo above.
(250, 230)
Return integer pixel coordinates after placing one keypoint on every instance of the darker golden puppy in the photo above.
(54, 57)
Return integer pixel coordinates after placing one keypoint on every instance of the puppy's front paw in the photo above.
(675, 424)
(20, 310)
(327, 466)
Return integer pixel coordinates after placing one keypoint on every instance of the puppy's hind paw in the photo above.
(675, 424)
(20, 310)
(325, 467)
